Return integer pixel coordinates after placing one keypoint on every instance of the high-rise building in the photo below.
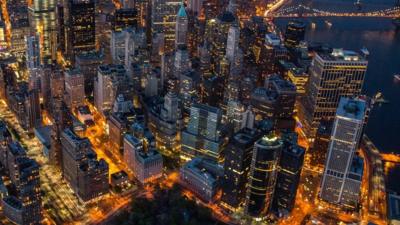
(202, 177)
(79, 21)
(202, 135)
(74, 88)
(238, 156)
(181, 27)
(32, 52)
(232, 45)
(332, 76)
(216, 34)
(23, 204)
(195, 6)
(146, 163)
(125, 18)
(87, 63)
(295, 31)
(182, 61)
(163, 18)
(26, 206)
(87, 176)
(342, 177)
(111, 81)
(42, 19)
(122, 46)
(288, 178)
(263, 173)
(320, 146)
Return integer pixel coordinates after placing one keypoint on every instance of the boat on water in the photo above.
(378, 98)
(313, 25)
(397, 77)
(329, 23)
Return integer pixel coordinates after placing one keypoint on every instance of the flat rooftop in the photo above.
(352, 108)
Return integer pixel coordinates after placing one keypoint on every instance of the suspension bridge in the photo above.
(306, 11)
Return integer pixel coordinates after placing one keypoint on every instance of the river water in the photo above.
(382, 39)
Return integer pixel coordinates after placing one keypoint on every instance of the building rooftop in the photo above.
(246, 136)
(205, 168)
(394, 207)
(206, 108)
(351, 108)
(341, 55)
(182, 11)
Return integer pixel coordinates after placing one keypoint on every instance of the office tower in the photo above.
(32, 53)
(74, 88)
(181, 27)
(195, 6)
(125, 18)
(342, 177)
(128, 4)
(122, 44)
(25, 207)
(295, 31)
(143, 9)
(60, 27)
(87, 176)
(19, 30)
(33, 108)
(80, 26)
(288, 178)
(238, 156)
(111, 81)
(320, 146)
(182, 61)
(151, 83)
(232, 45)
(332, 76)
(263, 172)
(212, 90)
(166, 121)
(217, 35)
(202, 177)
(163, 18)
(285, 102)
(146, 163)
(42, 19)
(87, 63)
(188, 89)
(202, 135)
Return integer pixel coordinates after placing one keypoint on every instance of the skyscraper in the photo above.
(238, 156)
(80, 26)
(295, 31)
(125, 18)
(74, 88)
(42, 19)
(202, 134)
(232, 45)
(163, 18)
(332, 76)
(181, 27)
(32, 52)
(262, 178)
(288, 178)
(342, 177)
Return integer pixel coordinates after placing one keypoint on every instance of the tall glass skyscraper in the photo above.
(332, 76)
(343, 170)
(42, 18)
(262, 178)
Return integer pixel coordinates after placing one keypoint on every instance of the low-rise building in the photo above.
(202, 177)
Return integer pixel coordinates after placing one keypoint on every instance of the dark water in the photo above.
(382, 39)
